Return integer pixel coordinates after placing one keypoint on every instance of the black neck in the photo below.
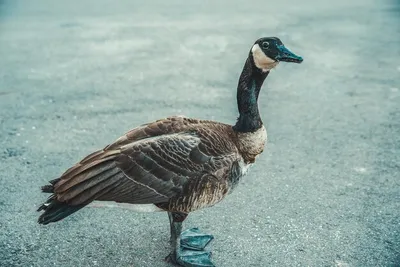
(249, 86)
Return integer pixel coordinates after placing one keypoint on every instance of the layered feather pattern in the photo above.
(177, 163)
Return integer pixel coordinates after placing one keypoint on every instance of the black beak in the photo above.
(286, 55)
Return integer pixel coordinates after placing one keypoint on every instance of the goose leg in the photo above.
(187, 248)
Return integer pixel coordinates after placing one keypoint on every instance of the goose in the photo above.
(176, 164)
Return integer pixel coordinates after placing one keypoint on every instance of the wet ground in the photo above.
(75, 75)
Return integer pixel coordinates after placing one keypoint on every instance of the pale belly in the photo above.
(132, 207)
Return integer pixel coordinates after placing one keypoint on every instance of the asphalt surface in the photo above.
(75, 75)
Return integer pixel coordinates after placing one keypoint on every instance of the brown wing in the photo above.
(144, 166)
(150, 164)
(149, 171)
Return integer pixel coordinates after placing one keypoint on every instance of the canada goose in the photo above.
(175, 164)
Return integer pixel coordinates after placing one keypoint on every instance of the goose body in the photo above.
(176, 164)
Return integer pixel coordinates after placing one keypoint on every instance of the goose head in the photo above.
(267, 52)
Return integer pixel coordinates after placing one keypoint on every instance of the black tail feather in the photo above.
(50, 187)
(47, 189)
(55, 210)
(54, 181)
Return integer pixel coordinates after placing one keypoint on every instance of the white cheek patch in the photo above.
(261, 60)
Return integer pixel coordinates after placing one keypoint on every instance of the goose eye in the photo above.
(265, 45)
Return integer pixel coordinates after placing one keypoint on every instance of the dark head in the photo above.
(267, 52)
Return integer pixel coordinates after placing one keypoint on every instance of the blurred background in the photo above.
(75, 75)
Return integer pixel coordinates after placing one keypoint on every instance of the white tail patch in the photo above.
(132, 207)
(261, 60)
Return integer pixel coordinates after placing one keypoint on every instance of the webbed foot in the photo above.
(194, 258)
(193, 239)
(191, 252)
(192, 249)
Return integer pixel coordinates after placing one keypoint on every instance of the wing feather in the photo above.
(152, 163)
(149, 171)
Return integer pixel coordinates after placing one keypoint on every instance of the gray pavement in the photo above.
(75, 75)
